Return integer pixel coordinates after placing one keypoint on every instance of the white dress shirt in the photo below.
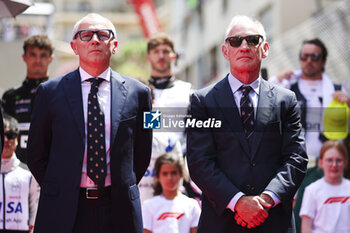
(104, 99)
(235, 84)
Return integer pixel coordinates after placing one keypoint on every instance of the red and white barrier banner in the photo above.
(148, 16)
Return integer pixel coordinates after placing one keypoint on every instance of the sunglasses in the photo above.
(10, 135)
(314, 56)
(236, 41)
(86, 35)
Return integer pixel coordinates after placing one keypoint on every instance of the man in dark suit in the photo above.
(249, 168)
(86, 147)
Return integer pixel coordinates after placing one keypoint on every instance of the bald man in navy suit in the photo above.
(73, 199)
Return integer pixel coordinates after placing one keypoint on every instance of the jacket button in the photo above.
(253, 163)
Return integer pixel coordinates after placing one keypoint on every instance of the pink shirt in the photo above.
(104, 99)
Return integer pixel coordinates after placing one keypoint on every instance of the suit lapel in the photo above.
(72, 88)
(264, 110)
(225, 100)
(118, 97)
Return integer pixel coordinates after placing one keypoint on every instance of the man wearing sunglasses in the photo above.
(314, 91)
(86, 146)
(250, 168)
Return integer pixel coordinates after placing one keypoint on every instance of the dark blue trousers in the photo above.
(94, 215)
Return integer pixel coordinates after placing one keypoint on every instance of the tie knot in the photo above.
(95, 83)
(245, 89)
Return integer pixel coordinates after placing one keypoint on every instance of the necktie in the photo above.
(96, 151)
(247, 111)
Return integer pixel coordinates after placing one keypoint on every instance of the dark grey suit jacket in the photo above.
(56, 150)
(222, 162)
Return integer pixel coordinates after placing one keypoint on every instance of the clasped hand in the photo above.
(251, 211)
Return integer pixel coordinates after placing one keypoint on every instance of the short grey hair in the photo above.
(10, 123)
(240, 18)
(93, 15)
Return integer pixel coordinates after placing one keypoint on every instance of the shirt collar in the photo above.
(235, 84)
(106, 75)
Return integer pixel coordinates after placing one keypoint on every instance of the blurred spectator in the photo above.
(314, 91)
(170, 95)
(326, 202)
(9, 32)
(312, 174)
(160, 145)
(168, 91)
(19, 101)
(19, 194)
(169, 211)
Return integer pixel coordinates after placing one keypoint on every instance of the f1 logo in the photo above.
(341, 200)
(152, 120)
(166, 215)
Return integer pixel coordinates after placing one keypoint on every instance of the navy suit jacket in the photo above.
(56, 148)
(222, 162)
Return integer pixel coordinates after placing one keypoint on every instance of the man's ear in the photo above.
(74, 47)
(224, 51)
(265, 50)
(51, 58)
(115, 47)
(173, 56)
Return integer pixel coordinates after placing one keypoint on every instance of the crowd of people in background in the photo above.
(255, 172)
(10, 31)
